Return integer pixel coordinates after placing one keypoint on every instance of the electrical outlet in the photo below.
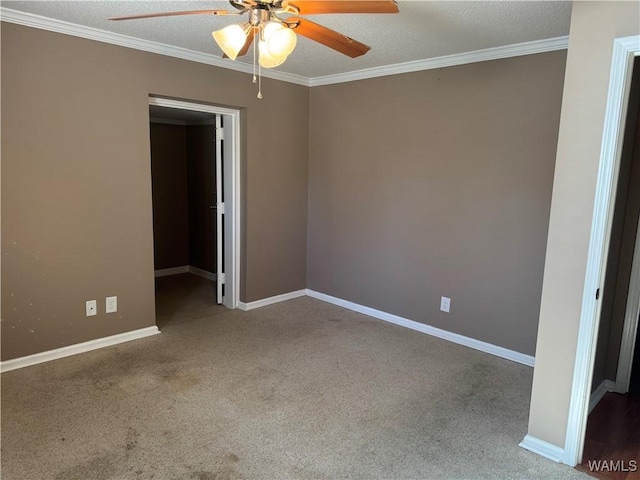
(111, 305)
(445, 304)
(92, 308)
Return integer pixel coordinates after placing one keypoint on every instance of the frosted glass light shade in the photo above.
(280, 40)
(265, 58)
(230, 39)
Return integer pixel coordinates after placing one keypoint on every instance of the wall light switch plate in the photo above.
(445, 304)
(92, 308)
(111, 305)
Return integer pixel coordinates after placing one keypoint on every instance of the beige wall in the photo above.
(594, 25)
(438, 183)
(76, 183)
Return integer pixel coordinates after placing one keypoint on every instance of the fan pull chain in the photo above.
(254, 59)
(255, 43)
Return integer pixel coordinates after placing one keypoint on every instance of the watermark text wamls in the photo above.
(612, 465)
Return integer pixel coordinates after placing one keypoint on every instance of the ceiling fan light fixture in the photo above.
(281, 40)
(231, 39)
(266, 59)
(276, 37)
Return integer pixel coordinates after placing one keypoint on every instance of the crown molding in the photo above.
(90, 33)
(67, 28)
(507, 51)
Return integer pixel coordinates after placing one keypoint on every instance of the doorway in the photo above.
(195, 152)
(614, 419)
(625, 51)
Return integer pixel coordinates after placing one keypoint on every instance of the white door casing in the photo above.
(220, 280)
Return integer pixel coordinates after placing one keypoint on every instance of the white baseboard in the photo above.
(543, 448)
(77, 348)
(271, 300)
(598, 393)
(165, 272)
(404, 322)
(202, 273)
(421, 327)
(388, 317)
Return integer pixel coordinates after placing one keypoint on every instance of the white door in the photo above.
(219, 213)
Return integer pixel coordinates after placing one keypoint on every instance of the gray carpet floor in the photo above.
(301, 389)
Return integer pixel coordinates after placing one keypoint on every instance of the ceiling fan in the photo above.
(276, 23)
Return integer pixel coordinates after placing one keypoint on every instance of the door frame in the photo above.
(231, 182)
(624, 52)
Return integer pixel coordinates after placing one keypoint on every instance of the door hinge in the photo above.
(220, 133)
(221, 278)
(597, 294)
(221, 208)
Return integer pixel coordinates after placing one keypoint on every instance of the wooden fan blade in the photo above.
(245, 48)
(312, 7)
(171, 14)
(327, 37)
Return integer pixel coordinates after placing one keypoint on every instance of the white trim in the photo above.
(231, 155)
(429, 330)
(542, 448)
(90, 33)
(507, 51)
(194, 107)
(218, 161)
(271, 300)
(624, 50)
(404, 322)
(67, 28)
(202, 273)
(630, 325)
(604, 387)
(232, 186)
(96, 344)
(165, 272)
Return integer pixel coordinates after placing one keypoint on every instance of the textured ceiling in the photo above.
(422, 30)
